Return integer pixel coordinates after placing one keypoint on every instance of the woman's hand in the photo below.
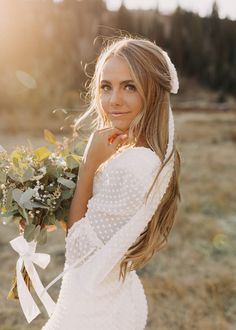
(22, 224)
(102, 145)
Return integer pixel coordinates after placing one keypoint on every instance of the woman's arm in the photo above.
(83, 193)
(98, 150)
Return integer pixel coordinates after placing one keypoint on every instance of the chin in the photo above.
(122, 126)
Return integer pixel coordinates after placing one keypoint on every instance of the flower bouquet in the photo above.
(36, 187)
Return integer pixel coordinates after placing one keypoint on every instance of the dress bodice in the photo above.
(119, 188)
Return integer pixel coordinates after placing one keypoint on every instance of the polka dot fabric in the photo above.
(119, 189)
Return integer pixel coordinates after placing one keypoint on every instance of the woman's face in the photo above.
(119, 97)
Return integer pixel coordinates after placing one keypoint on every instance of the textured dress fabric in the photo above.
(91, 296)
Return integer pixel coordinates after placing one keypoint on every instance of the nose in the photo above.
(116, 98)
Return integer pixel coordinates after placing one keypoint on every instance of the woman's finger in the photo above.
(119, 141)
(113, 133)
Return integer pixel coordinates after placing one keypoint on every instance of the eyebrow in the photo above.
(122, 83)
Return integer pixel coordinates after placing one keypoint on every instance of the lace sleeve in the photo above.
(96, 258)
(105, 258)
(119, 197)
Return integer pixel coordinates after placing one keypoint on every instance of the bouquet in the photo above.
(37, 185)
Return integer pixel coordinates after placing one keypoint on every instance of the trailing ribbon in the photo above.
(28, 257)
(70, 267)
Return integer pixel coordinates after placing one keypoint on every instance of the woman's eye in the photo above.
(105, 88)
(130, 87)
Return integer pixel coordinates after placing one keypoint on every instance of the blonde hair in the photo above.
(152, 79)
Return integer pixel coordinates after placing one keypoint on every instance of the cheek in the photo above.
(104, 103)
(137, 104)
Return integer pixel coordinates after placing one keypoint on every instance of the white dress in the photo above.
(91, 296)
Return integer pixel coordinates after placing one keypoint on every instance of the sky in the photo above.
(227, 8)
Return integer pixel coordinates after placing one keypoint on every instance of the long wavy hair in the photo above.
(150, 72)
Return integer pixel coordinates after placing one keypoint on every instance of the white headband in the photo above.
(174, 90)
(173, 73)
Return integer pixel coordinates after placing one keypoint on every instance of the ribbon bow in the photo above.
(28, 257)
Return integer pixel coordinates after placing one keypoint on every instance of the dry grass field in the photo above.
(191, 283)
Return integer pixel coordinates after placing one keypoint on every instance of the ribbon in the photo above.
(70, 267)
(28, 257)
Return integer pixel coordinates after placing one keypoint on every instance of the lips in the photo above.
(116, 114)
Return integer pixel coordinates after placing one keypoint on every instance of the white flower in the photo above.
(61, 161)
(52, 156)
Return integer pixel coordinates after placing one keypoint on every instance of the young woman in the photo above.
(127, 191)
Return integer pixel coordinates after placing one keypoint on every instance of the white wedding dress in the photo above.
(91, 296)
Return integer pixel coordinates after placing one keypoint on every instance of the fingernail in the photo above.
(124, 136)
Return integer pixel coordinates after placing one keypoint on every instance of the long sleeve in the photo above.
(106, 257)
(118, 198)
(119, 201)
(118, 193)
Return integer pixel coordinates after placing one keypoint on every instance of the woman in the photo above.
(126, 197)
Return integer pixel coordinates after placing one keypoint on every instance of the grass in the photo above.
(191, 283)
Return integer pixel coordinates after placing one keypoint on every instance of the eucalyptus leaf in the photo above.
(54, 171)
(42, 153)
(16, 194)
(37, 232)
(49, 136)
(50, 219)
(26, 196)
(59, 214)
(71, 162)
(29, 232)
(67, 183)
(80, 147)
(25, 215)
(28, 174)
(14, 176)
(15, 154)
(65, 152)
(15, 161)
(77, 158)
(9, 198)
(28, 205)
(42, 238)
(70, 175)
(67, 194)
(22, 213)
(39, 205)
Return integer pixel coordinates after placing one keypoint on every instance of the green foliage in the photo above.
(37, 185)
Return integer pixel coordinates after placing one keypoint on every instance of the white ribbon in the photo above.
(171, 127)
(70, 267)
(28, 257)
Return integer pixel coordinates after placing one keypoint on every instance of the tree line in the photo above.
(53, 41)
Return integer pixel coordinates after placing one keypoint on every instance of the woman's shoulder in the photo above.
(136, 166)
(135, 159)
(134, 153)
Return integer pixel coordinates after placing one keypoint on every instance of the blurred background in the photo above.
(48, 51)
